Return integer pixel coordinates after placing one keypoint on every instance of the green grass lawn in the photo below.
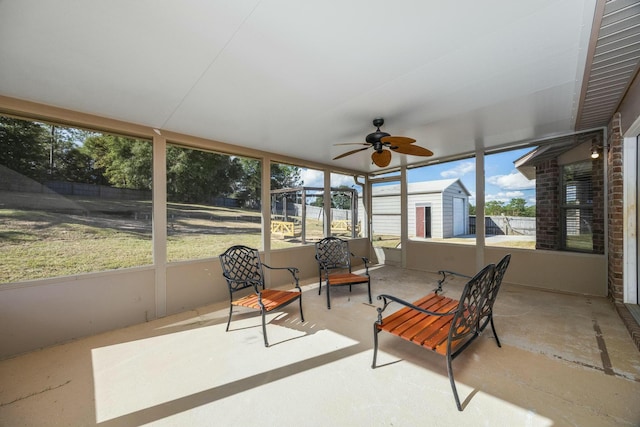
(72, 236)
(62, 238)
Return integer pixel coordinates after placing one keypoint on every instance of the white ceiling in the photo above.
(296, 77)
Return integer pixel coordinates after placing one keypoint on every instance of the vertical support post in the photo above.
(327, 203)
(303, 214)
(404, 215)
(265, 207)
(480, 229)
(159, 227)
(631, 218)
(354, 213)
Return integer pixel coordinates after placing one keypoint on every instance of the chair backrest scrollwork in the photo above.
(241, 267)
(333, 252)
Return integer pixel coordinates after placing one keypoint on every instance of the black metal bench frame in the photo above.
(486, 316)
(443, 325)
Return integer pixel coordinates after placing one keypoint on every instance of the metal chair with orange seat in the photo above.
(334, 266)
(242, 269)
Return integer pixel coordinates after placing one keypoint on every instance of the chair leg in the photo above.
(264, 328)
(301, 315)
(453, 383)
(375, 345)
(229, 321)
(328, 295)
(319, 282)
(369, 289)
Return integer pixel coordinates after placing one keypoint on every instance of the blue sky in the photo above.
(502, 180)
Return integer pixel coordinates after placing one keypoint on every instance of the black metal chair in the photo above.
(334, 266)
(242, 268)
(486, 315)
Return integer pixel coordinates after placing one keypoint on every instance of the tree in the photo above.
(472, 209)
(530, 211)
(195, 176)
(516, 207)
(24, 147)
(282, 176)
(341, 199)
(121, 162)
(285, 176)
(249, 186)
(69, 161)
(493, 207)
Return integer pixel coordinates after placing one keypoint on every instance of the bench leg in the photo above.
(495, 334)
(489, 319)
(375, 345)
(453, 383)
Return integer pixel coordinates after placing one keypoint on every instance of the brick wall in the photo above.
(547, 205)
(599, 199)
(616, 209)
(548, 199)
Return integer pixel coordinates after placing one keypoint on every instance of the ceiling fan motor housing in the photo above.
(374, 138)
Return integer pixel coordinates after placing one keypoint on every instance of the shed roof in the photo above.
(422, 187)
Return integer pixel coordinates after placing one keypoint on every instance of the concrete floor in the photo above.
(565, 361)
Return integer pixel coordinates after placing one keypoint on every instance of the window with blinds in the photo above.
(577, 207)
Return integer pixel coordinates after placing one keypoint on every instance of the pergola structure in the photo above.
(280, 218)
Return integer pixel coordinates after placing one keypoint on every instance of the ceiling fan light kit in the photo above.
(383, 143)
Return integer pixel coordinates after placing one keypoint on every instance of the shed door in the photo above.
(458, 216)
(423, 221)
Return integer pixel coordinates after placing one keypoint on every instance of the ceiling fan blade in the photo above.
(397, 140)
(353, 143)
(382, 158)
(413, 150)
(349, 153)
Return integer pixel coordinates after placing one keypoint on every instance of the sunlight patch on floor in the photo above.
(137, 375)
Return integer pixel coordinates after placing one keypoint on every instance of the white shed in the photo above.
(437, 209)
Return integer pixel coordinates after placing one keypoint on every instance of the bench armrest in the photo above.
(388, 299)
(444, 278)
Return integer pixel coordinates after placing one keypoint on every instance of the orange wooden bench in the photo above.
(486, 316)
(441, 324)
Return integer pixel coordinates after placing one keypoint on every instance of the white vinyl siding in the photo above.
(438, 195)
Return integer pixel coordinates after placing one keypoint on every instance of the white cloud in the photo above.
(337, 180)
(312, 177)
(315, 178)
(459, 171)
(513, 181)
(504, 196)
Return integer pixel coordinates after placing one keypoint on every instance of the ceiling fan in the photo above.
(383, 143)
